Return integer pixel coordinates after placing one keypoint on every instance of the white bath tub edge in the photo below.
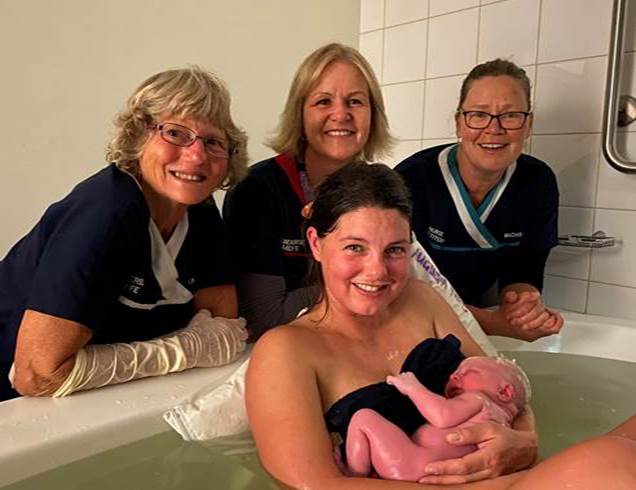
(38, 434)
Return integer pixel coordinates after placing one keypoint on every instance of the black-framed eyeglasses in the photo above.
(507, 120)
(178, 135)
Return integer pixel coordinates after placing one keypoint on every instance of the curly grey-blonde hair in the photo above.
(289, 135)
(188, 93)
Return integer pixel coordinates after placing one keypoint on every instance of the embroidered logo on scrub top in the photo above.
(435, 235)
(134, 285)
(513, 234)
(293, 246)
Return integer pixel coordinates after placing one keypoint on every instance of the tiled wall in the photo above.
(421, 50)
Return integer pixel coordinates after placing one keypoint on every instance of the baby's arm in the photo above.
(439, 411)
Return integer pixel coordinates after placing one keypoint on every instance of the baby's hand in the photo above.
(404, 382)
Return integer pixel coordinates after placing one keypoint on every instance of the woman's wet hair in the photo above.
(289, 136)
(355, 186)
(192, 93)
(496, 68)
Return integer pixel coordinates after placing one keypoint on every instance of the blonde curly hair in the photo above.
(188, 93)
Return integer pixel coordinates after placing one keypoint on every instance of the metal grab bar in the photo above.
(610, 112)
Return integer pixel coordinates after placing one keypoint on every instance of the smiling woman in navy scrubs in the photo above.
(485, 212)
(134, 250)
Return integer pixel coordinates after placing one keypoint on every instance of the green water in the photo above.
(161, 462)
(574, 397)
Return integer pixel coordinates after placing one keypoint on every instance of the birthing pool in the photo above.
(66, 444)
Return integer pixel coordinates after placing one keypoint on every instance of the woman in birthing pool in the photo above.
(482, 389)
(371, 320)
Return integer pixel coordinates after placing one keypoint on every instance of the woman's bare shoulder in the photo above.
(290, 342)
(420, 293)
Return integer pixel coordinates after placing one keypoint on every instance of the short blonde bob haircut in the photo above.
(187, 93)
(289, 136)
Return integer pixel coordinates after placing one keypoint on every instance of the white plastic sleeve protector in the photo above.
(424, 269)
(205, 342)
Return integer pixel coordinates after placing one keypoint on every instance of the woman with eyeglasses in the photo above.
(486, 212)
(132, 253)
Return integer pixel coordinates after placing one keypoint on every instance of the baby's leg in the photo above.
(375, 443)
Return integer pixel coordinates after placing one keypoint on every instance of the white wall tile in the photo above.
(405, 52)
(572, 262)
(371, 15)
(371, 45)
(440, 101)
(575, 221)
(608, 300)
(616, 189)
(429, 143)
(574, 160)
(564, 293)
(574, 29)
(439, 7)
(403, 150)
(400, 11)
(452, 44)
(509, 30)
(569, 96)
(405, 103)
(616, 265)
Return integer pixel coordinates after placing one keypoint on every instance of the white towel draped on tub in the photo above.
(213, 413)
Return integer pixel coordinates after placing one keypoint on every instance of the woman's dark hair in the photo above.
(355, 186)
(495, 68)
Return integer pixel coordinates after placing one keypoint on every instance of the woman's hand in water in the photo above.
(501, 450)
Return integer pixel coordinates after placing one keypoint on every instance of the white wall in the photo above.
(421, 49)
(69, 65)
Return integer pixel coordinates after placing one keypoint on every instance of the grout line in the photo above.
(478, 34)
(567, 60)
(426, 61)
(627, 210)
(383, 50)
(560, 276)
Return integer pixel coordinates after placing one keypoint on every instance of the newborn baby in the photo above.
(482, 389)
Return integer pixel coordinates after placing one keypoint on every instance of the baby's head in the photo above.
(500, 378)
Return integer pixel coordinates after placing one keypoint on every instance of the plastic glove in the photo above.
(212, 341)
(205, 342)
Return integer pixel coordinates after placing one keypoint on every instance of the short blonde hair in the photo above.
(186, 92)
(289, 136)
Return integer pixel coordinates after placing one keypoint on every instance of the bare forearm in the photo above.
(490, 321)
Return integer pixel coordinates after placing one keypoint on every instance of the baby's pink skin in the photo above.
(479, 392)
